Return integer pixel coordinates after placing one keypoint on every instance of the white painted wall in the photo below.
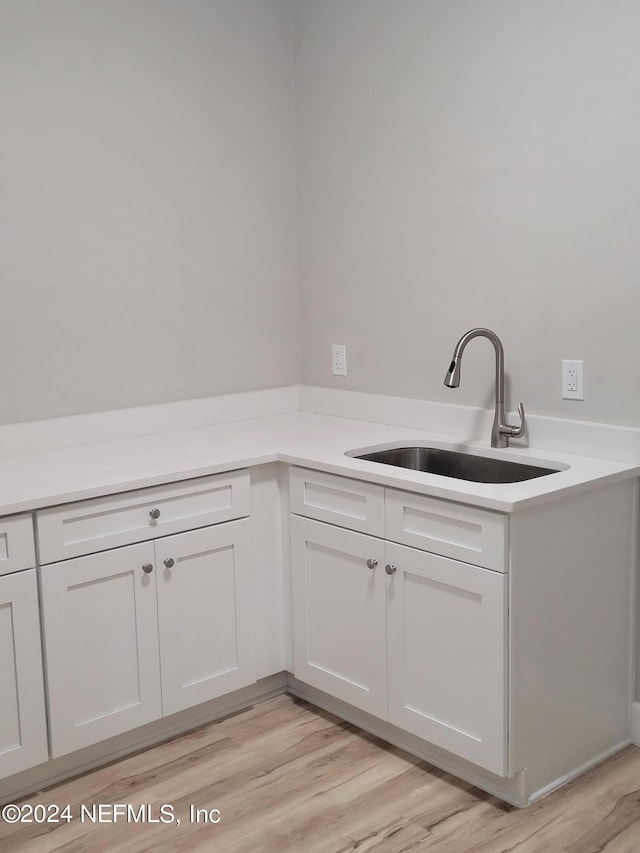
(459, 163)
(147, 211)
(464, 164)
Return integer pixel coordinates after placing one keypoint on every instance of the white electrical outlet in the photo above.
(339, 359)
(572, 380)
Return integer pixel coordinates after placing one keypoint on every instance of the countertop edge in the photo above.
(34, 481)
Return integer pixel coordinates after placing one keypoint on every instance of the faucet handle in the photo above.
(513, 431)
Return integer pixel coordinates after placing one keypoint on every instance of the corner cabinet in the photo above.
(495, 646)
(144, 630)
(23, 728)
(500, 642)
(414, 638)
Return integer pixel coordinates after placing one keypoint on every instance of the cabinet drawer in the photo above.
(337, 500)
(477, 536)
(16, 544)
(94, 525)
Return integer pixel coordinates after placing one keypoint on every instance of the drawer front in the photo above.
(337, 500)
(465, 533)
(94, 525)
(17, 551)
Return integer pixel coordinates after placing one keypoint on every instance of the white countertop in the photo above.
(39, 479)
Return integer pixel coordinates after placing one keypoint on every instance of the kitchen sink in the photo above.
(461, 466)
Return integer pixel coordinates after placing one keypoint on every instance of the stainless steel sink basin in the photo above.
(462, 466)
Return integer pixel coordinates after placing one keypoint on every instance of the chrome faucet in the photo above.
(501, 431)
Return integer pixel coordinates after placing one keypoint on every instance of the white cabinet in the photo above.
(143, 631)
(205, 614)
(338, 500)
(16, 543)
(85, 527)
(495, 646)
(447, 654)
(411, 637)
(417, 636)
(506, 638)
(339, 613)
(101, 644)
(466, 533)
(23, 728)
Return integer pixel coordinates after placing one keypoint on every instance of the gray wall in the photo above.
(459, 163)
(465, 163)
(147, 209)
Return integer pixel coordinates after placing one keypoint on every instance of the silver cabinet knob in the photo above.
(390, 570)
(169, 562)
(371, 563)
(154, 513)
(147, 568)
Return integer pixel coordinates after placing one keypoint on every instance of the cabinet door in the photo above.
(447, 640)
(205, 614)
(101, 645)
(339, 613)
(23, 727)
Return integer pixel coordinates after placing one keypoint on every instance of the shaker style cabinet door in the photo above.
(101, 645)
(23, 727)
(339, 613)
(205, 614)
(447, 643)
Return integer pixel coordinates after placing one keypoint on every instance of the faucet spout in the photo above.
(501, 430)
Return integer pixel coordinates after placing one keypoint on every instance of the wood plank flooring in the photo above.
(286, 776)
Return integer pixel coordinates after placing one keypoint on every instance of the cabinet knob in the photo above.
(390, 570)
(154, 513)
(371, 563)
(147, 568)
(169, 562)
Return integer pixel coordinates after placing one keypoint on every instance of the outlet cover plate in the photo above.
(339, 359)
(572, 379)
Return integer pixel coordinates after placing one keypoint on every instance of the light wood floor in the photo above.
(289, 777)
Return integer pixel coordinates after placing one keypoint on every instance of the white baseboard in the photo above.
(510, 789)
(83, 760)
(513, 790)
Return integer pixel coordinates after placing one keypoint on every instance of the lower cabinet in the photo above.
(447, 654)
(205, 614)
(414, 638)
(339, 606)
(23, 727)
(146, 630)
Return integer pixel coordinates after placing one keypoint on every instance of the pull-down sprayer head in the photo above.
(452, 378)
